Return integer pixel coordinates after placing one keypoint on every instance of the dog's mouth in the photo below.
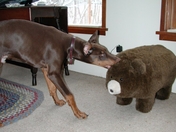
(107, 66)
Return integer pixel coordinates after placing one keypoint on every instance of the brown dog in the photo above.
(46, 48)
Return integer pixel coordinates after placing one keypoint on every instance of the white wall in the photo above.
(130, 23)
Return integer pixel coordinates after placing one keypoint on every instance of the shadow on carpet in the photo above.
(17, 101)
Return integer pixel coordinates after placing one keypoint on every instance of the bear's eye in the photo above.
(111, 77)
(121, 79)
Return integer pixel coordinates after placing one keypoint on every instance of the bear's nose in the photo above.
(114, 87)
(111, 91)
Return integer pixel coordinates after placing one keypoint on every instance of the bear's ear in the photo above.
(139, 66)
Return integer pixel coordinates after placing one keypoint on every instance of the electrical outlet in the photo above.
(119, 48)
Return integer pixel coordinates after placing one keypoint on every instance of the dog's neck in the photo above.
(76, 50)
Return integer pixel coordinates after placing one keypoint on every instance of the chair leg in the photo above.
(34, 75)
(66, 68)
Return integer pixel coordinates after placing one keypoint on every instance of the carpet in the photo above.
(17, 101)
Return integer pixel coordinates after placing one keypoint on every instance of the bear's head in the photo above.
(123, 78)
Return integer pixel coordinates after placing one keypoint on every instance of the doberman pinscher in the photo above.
(46, 47)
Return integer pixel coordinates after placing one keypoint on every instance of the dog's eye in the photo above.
(102, 56)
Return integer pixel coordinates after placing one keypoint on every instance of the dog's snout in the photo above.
(117, 59)
(113, 58)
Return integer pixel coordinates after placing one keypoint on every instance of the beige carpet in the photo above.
(93, 98)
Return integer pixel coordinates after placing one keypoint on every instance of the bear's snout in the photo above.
(114, 87)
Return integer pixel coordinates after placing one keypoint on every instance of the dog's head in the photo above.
(97, 54)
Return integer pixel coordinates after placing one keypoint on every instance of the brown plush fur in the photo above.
(144, 73)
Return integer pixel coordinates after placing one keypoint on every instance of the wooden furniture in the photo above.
(52, 16)
(168, 20)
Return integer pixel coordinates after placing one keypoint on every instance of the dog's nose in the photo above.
(117, 59)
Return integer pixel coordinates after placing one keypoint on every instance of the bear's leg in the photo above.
(144, 105)
(123, 101)
(164, 93)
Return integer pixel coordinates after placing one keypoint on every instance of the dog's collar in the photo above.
(70, 54)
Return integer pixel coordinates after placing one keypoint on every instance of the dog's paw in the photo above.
(81, 115)
(60, 102)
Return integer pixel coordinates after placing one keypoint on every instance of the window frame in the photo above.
(166, 21)
(91, 30)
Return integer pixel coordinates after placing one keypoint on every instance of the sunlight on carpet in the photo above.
(17, 101)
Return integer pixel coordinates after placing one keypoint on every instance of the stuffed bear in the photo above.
(144, 73)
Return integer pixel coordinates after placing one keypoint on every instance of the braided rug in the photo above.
(17, 101)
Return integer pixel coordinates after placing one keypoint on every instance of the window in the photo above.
(168, 21)
(84, 16)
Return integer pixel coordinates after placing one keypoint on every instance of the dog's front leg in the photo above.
(71, 102)
(69, 97)
(52, 88)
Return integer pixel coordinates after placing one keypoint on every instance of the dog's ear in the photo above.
(95, 37)
(87, 49)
